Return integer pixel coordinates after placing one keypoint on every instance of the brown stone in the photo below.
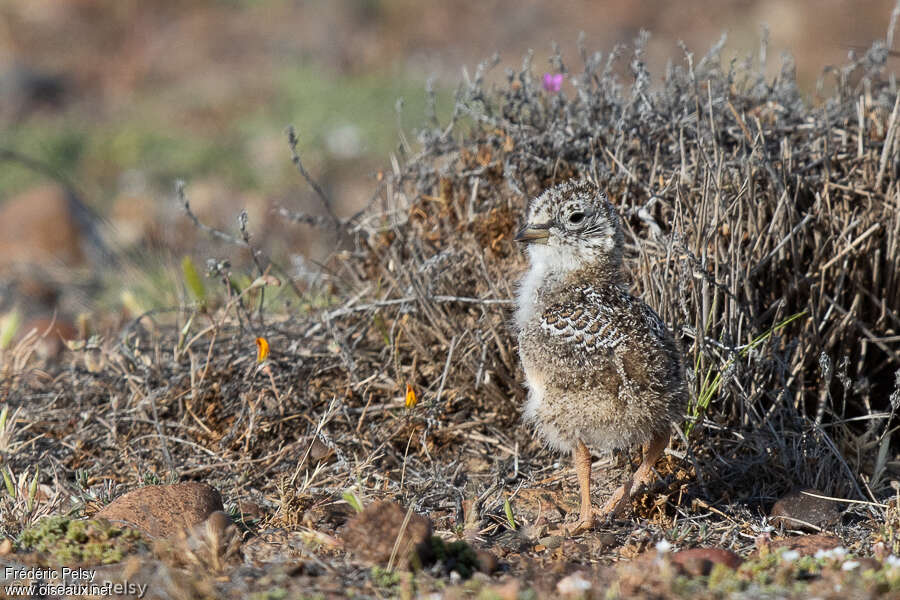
(798, 510)
(551, 541)
(487, 562)
(371, 534)
(605, 541)
(806, 545)
(700, 561)
(164, 510)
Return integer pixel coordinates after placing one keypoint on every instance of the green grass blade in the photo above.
(709, 389)
(507, 508)
(192, 280)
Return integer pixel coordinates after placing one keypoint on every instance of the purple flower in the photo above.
(553, 82)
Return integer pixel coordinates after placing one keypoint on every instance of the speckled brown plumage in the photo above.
(601, 367)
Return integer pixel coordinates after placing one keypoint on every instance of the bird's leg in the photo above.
(644, 474)
(583, 469)
(652, 450)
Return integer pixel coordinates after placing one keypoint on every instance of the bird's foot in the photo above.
(585, 523)
(605, 519)
(616, 503)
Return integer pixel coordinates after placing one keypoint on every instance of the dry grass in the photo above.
(765, 230)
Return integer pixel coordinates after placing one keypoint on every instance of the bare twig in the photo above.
(295, 156)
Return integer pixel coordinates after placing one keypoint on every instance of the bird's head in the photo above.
(572, 226)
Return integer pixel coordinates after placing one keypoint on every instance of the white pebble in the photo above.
(790, 556)
(837, 552)
(574, 584)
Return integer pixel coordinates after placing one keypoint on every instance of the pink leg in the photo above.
(644, 475)
(583, 469)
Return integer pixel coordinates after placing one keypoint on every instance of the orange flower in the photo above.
(262, 349)
(410, 397)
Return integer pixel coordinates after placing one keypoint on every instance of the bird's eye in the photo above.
(576, 218)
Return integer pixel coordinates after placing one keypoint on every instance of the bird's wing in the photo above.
(598, 321)
(586, 327)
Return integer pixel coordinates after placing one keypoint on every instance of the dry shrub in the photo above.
(764, 228)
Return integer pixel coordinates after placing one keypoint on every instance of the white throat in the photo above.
(549, 264)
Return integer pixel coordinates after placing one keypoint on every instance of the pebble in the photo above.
(575, 584)
(371, 534)
(164, 510)
(551, 541)
(487, 562)
(799, 510)
(700, 561)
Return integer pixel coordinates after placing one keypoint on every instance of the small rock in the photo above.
(487, 562)
(575, 584)
(806, 545)
(6, 546)
(551, 541)
(164, 510)
(571, 547)
(371, 534)
(798, 510)
(606, 541)
(700, 561)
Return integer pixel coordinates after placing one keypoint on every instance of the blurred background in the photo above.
(121, 98)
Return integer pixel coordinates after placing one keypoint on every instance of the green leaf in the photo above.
(9, 325)
(380, 325)
(711, 387)
(7, 480)
(192, 280)
(507, 508)
(32, 489)
(353, 501)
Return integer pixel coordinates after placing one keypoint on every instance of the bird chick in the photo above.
(601, 367)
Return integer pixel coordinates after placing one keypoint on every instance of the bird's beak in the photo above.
(533, 234)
